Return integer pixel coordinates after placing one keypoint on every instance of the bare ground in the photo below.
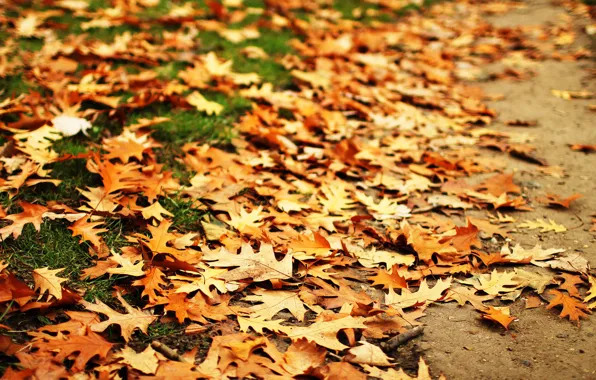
(540, 345)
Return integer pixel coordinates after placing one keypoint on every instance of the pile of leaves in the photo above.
(352, 196)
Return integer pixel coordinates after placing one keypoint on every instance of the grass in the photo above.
(53, 246)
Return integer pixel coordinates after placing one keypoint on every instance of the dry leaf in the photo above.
(545, 226)
(46, 280)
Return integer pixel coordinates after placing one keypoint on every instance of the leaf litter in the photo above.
(333, 220)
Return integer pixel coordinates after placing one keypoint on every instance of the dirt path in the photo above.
(540, 345)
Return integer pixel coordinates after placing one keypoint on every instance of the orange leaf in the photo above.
(389, 279)
(87, 231)
(571, 307)
(498, 316)
(153, 281)
(31, 214)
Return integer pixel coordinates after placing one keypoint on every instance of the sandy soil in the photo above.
(540, 345)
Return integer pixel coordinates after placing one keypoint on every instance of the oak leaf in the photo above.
(31, 214)
(302, 357)
(259, 266)
(132, 320)
(87, 231)
(324, 333)
(543, 225)
(571, 307)
(570, 281)
(367, 353)
(493, 283)
(46, 280)
(152, 283)
(145, 361)
(499, 315)
(423, 295)
(127, 267)
(553, 200)
(465, 238)
(371, 257)
(463, 295)
(274, 301)
(156, 211)
(573, 262)
(518, 254)
(389, 280)
(244, 221)
(499, 184)
(86, 347)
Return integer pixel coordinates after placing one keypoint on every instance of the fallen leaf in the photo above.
(201, 104)
(132, 320)
(274, 301)
(257, 267)
(499, 315)
(543, 225)
(423, 296)
(571, 307)
(145, 361)
(46, 280)
(367, 353)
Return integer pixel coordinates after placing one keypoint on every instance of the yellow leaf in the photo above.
(46, 280)
(126, 266)
(245, 220)
(156, 211)
(273, 301)
(545, 226)
(145, 361)
(422, 296)
(493, 283)
(323, 333)
(202, 104)
(27, 26)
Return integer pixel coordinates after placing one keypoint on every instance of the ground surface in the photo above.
(270, 187)
(541, 344)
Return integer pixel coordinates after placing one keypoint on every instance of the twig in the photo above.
(400, 339)
(168, 352)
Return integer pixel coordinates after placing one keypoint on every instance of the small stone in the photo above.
(526, 363)
(581, 351)
(562, 336)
